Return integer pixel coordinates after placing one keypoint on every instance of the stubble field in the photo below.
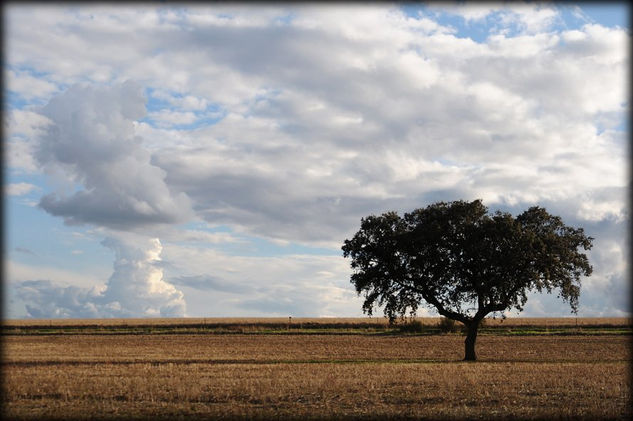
(315, 376)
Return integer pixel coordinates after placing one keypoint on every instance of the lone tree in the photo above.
(465, 262)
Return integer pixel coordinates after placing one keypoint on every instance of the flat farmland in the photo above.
(315, 376)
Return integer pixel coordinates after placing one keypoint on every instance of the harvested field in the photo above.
(315, 377)
(455, 390)
(292, 348)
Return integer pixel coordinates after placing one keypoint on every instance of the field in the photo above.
(349, 369)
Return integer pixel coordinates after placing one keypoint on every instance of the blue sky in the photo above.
(570, 15)
(210, 160)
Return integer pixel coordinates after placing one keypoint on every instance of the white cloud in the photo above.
(531, 18)
(191, 103)
(92, 140)
(136, 288)
(204, 237)
(26, 124)
(167, 118)
(470, 12)
(22, 128)
(43, 299)
(29, 86)
(137, 283)
(521, 17)
(19, 189)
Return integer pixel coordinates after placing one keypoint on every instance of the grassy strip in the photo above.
(267, 330)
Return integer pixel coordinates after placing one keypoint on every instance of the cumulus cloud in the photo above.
(43, 299)
(137, 285)
(92, 140)
(136, 288)
(22, 129)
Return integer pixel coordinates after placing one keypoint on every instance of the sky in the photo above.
(210, 160)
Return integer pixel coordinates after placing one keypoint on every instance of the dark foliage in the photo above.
(447, 325)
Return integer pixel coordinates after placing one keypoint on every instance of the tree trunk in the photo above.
(471, 337)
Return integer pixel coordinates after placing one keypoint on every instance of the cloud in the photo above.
(187, 102)
(43, 299)
(29, 86)
(217, 283)
(200, 236)
(22, 128)
(19, 189)
(136, 288)
(144, 286)
(530, 18)
(208, 283)
(329, 114)
(92, 141)
(469, 12)
(504, 18)
(137, 284)
(385, 131)
(165, 118)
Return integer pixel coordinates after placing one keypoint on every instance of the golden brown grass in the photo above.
(274, 348)
(315, 377)
(439, 390)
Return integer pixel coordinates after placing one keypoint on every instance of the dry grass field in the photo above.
(315, 377)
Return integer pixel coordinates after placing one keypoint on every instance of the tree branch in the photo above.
(444, 312)
(435, 302)
(495, 307)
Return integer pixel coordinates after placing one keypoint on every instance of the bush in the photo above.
(447, 325)
(413, 326)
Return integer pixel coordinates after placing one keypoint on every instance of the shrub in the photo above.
(412, 326)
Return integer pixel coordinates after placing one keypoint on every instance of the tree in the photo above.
(465, 262)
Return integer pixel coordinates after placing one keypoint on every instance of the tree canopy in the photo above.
(463, 261)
